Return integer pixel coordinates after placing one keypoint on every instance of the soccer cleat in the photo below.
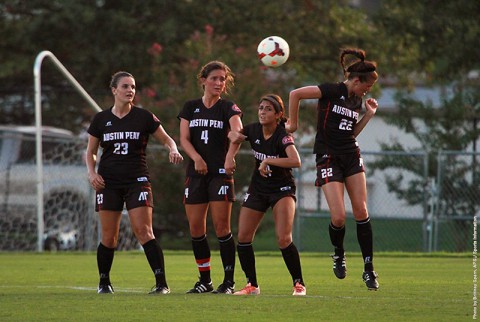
(370, 279)
(159, 290)
(227, 287)
(105, 289)
(299, 290)
(201, 288)
(339, 266)
(248, 290)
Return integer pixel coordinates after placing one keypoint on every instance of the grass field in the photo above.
(62, 287)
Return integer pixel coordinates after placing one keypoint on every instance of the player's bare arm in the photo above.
(307, 92)
(185, 143)
(161, 135)
(94, 178)
(371, 106)
(235, 126)
(291, 161)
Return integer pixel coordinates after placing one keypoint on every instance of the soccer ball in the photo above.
(273, 51)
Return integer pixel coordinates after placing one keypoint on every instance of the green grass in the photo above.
(62, 287)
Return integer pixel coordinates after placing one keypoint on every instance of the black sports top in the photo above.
(337, 117)
(209, 128)
(274, 147)
(124, 142)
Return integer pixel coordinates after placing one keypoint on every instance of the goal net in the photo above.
(70, 222)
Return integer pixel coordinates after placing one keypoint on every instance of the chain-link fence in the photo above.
(455, 200)
(411, 209)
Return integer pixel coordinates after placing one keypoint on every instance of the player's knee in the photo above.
(338, 221)
(284, 241)
(143, 234)
(360, 214)
(244, 237)
(109, 241)
(222, 230)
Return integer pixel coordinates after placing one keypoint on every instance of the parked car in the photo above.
(67, 197)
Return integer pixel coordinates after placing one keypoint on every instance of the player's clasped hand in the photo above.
(175, 157)
(201, 167)
(371, 105)
(264, 169)
(97, 182)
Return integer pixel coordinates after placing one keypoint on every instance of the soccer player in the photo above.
(272, 186)
(339, 163)
(122, 131)
(204, 126)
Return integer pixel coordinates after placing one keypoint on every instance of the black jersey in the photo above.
(337, 117)
(209, 128)
(274, 147)
(124, 142)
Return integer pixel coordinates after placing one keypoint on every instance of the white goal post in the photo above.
(38, 124)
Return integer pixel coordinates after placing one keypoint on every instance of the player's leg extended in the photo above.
(248, 222)
(110, 224)
(283, 215)
(221, 217)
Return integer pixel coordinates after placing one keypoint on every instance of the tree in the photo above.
(431, 42)
(422, 54)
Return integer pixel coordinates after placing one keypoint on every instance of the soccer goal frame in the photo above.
(38, 129)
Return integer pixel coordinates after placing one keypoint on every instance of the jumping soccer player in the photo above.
(339, 163)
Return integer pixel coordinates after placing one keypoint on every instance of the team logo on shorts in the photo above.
(143, 196)
(223, 190)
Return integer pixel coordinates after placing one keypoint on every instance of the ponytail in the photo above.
(363, 69)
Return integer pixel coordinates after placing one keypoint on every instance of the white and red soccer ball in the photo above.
(273, 51)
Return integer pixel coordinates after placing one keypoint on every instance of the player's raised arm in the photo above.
(296, 95)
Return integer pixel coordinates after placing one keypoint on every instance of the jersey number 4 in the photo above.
(204, 136)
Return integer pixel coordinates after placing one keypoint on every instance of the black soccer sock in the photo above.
(292, 260)
(201, 251)
(227, 252)
(337, 235)
(155, 258)
(246, 256)
(365, 240)
(104, 263)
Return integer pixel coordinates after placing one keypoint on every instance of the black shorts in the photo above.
(203, 189)
(337, 167)
(262, 201)
(136, 195)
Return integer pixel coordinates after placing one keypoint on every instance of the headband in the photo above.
(274, 101)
